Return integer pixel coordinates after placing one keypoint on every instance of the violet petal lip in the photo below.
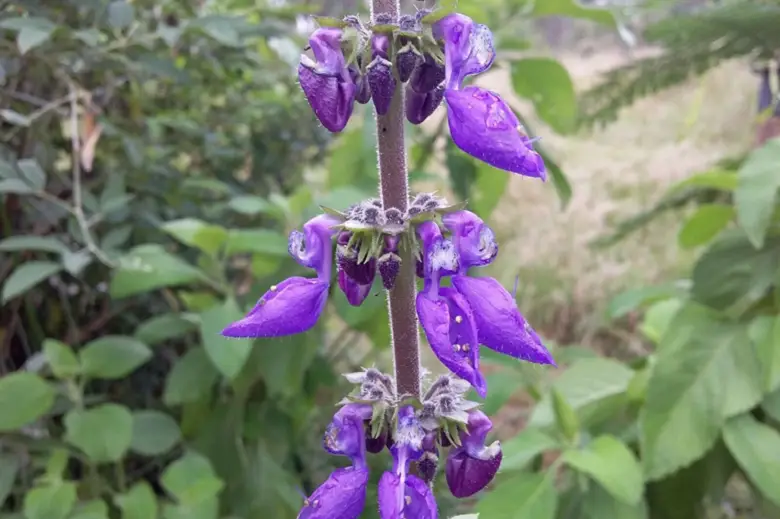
(500, 326)
(341, 496)
(475, 241)
(468, 47)
(473, 465)
(293, 306)
(355, 292)
(482, 125)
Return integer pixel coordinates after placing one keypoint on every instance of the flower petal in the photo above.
(293, 306)
(482, 125)
(468, 47)
(475, 241)
(417, 501)
(345, 434)
(355, 292)
(466, 475)
(312, 248)
(500, 325)
(449, 326)
(341, 496)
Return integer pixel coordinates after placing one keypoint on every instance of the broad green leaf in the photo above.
(351, 155)
(24, 398)
(57, 463)
(33, 172)
(16, 186)
(263, 241)
(76, 262)
(154, 433)
(149, 267)
(607, 460)
(488, 188)
(731, 275)
(163, 327)
(228, 355)
(254, 205)
(594, 398)
(282, 369)
(30, 37)
(362, 317)
(764, 333)
(571, 9)
(103, 432)
(634, 299)
(61, 359)
(559, 179)
(139, 502)
(222, 29)
(191, 378)
(26, 276)
(54, 501)
(206, 509)
(522, 496)
(9, 468)
(657, 318)
(503, 384)
(37, 243)
(705, 224)
(756, 194)
(600, 504)
(547, 84)
(771, 405)
(196, 233)
(705, 371)
(113, 356)
(121, 14)
(756, 447)
(517, 452)
(565, 417)
(191, 479)
(461, 168)
(721, 180)
(95, 509)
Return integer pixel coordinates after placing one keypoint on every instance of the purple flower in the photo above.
(444, 314)
(380, 74)
(764, 90)
(341, 496)
(402, 495)
(473, 465)
(294, 305)
(481, 123)
(346, 436)
(327, 83)
(355, 279)
(499, 324)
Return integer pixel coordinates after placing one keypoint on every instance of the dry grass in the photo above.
(615, 172)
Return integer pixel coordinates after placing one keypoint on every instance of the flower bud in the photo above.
(428, 463)
(406, 60)
(427, 76)
(420, 106)
(380, 74)
(376, 445)
(389, 265)
(362, 89)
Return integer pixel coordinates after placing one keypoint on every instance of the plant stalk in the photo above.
(394, 190)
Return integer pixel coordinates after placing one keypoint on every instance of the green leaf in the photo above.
(764, 333)
(657, 318)
(149, 267)
(352, 154)
(95, 509)
(771, 405)
(162, 328)
(600, 504)
(572, 9)
(556, 174)
(565, 417)
(731, 275)
(26, 276)
(196, 233)
(283, 369)
(9, 468)
(228, 355)
(503, 384)
(191, 378)
(461, 168)
(103, 432)
(594, 398)
(121, 14)
(705, 224)
(607, 460)
(634, 299)
(191, 479)
(488, 188)
(254, 205)
(16, 186)
(547, 84)
(54, 501)
(517, 452)
(755, 197)
(31, 37)
(61, 359)
(703, 374)
(522, 496)
(23, 398)
(113, 356)
(139, 502)
(264, 241)
(154, 433)
(222, 29)
(33, 172)
(76, 262)
(756, 447)
(721, 180)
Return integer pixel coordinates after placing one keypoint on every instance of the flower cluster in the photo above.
(375, 418)
(430, 58)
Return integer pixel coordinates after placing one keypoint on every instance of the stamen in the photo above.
(458, 319)
(408, 500)
(465, 347)
(273, 288)
(456, 347)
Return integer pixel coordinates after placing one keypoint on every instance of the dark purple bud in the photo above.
(362, 89)
(420, 106)
(326, 81)
(376, 445)
(427, 76)
(382, 83)
(764, 90)
(406, 60)
(341, 496)
(419, 268)
(428, 463)
(355, 292)
(389, 266)
(347, 261)
(473, 465)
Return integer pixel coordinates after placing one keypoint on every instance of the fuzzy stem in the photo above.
(394, 189)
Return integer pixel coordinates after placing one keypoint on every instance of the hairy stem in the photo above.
(394, 189)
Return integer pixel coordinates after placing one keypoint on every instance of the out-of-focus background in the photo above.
(154, 155)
